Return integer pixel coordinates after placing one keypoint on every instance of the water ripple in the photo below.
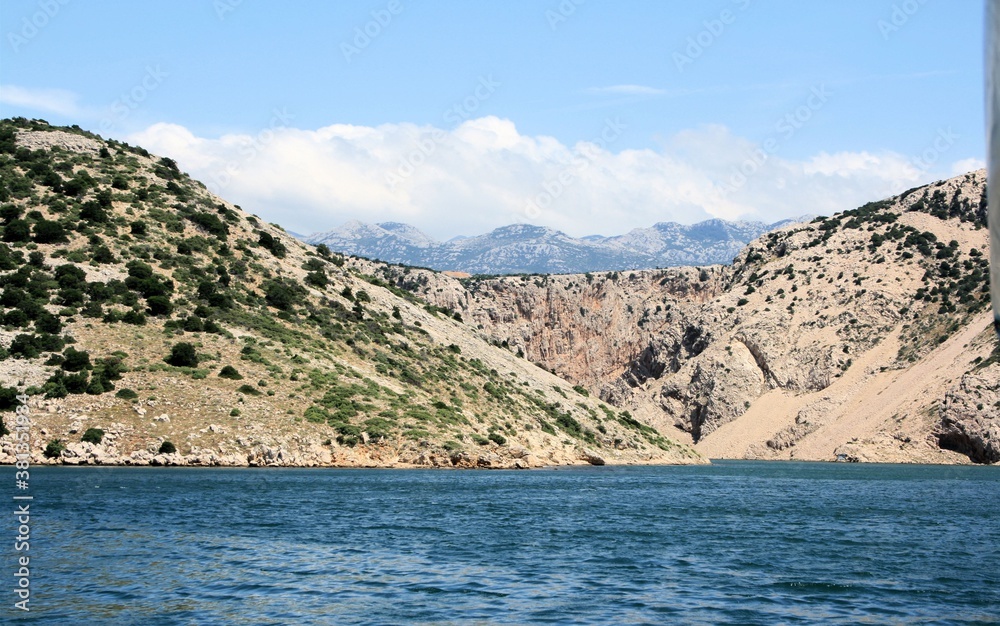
(734, 543)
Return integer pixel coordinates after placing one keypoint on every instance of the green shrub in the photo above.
(126, 394)
(497, 438)
(17, 231)
(159, 305)
(91, 211)
(317, 279)
(54, 449)
(282, 294)
(234, 413)
(317, 415)
(8, 398)
(183, 354)
(276, 248)
(378, 428)
(193, 324)
(134, 317)
(569, 424)
(75, 360)
(30, 346)
(167, 448)
(93, 435)
(248, 390)
(16, 318)
(210, 223)
(47, 231)
(69, 275)
(230, 373)
(77, 383)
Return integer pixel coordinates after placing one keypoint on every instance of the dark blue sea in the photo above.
(731, 543)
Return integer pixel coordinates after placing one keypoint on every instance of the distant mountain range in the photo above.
(522, 248)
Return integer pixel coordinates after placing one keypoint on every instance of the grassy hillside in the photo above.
(143, 313)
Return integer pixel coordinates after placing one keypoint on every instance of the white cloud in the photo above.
(967, 165)
(484, 174)
(627, 90)
(57, 101)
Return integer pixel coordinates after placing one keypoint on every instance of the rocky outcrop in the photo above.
(970, 416)
(713, 391)
(58, 139)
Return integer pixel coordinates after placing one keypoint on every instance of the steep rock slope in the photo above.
(150, 322)
(850, 337)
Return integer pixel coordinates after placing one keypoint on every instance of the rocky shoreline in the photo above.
(292, 453)
(87, 454)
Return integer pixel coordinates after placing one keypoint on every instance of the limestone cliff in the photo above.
(851, 336)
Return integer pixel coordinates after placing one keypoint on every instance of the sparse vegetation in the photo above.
(93, 435)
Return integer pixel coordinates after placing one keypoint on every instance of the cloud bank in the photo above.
(59, 101)
(484, 174)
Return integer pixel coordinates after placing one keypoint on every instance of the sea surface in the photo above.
(731, 543)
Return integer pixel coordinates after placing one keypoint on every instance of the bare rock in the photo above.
(970, 416)
(592, 458)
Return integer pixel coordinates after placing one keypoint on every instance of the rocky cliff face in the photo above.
(970, 415)
(785, 353)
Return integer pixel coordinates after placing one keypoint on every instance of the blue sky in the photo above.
(584, 115)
